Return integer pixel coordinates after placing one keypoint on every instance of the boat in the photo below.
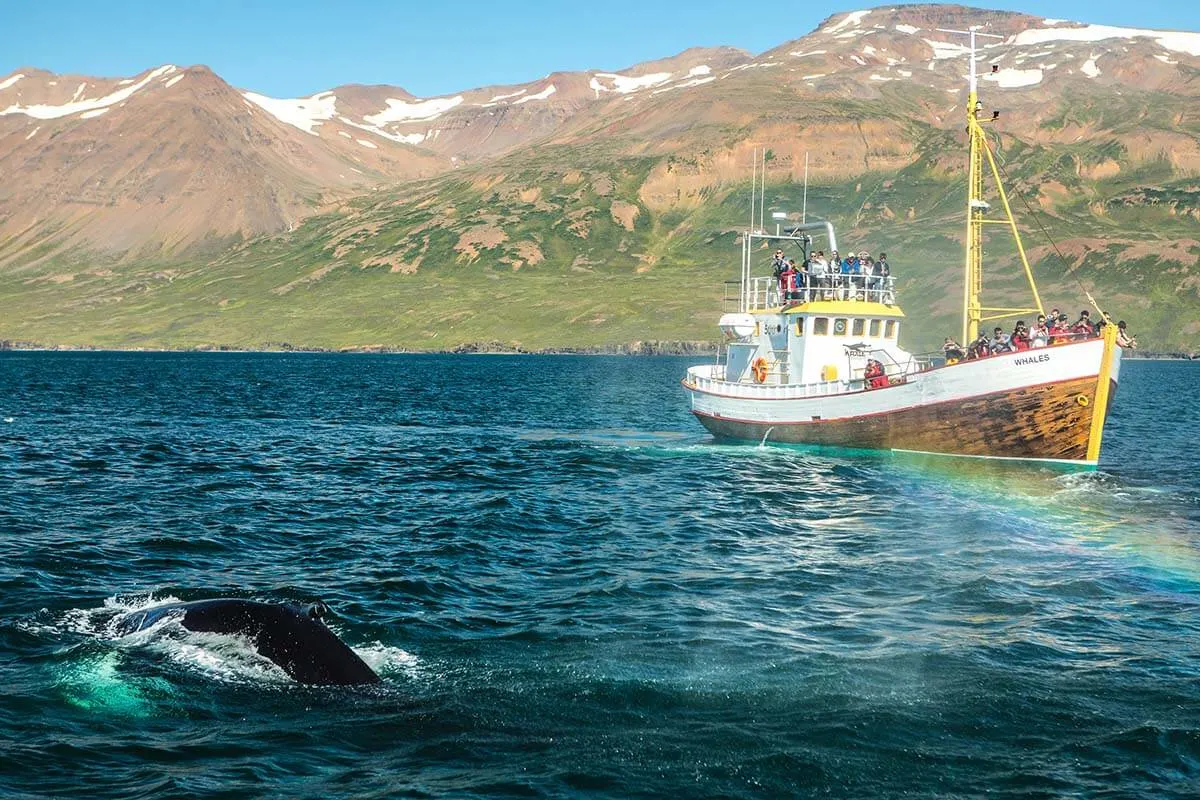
(824, 366)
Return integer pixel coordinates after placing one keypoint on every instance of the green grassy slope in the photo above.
(556, 248)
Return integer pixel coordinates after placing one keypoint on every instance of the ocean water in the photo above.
(569, 590)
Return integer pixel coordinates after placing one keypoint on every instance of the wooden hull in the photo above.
(1039, 422)
(1005, 409)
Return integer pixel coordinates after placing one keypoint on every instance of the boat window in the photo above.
(820, 326)
(889, 330)
(839, 327)
(874, 330)
(858, 327)
(800, 326)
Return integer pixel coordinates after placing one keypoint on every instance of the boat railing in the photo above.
(764, 292)
(711, 378)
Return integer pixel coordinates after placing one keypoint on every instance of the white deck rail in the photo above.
(764, 293)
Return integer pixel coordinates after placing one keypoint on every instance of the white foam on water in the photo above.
(389, 660)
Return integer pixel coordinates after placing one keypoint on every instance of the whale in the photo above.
(293, 637)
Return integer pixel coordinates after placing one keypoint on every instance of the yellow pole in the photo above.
(1013, 223)
(971, 267)
(1103, 382)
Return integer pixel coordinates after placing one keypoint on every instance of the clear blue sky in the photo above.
(431, 47)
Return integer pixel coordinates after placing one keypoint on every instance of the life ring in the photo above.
(759, 367)
(1082, 400)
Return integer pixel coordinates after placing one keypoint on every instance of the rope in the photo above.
(1037, 218)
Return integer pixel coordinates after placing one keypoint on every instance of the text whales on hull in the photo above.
(292, 637)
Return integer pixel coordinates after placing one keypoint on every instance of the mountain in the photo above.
(598, 207)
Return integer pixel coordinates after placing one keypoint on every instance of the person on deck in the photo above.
(803, 277)
(787, 282)
(1059, 330)
(867, 281)
(1083, 327)
(1123, 338)
(953, 351)
(979, 348)
(874, 374)
(883, 279)
(816, 270)
(1040, 335)
(1019, 340)
(999, 343)
(777, 263)
(882, 268)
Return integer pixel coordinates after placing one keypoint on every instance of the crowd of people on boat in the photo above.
(858, 276)
(1048, 330)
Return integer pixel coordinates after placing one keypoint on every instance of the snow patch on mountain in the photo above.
(421, 110)
(542, 95)
(853, 18)
(54, 112)
(167, 84)
(1009, 78)
(1178, 41)
(500, 97)
(686, 84)
(304, 113)
(94, 113)
(10, 80)
(623, 84)
(1089, 67)
(947, 49)
(909, 29)
(798, 54)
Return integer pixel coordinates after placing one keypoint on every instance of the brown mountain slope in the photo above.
(168, 160)
(173, 158)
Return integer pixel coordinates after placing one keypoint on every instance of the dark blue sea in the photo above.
(570, 590)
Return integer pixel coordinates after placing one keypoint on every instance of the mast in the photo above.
(974, 312)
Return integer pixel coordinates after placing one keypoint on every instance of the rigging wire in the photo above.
(1038, 219)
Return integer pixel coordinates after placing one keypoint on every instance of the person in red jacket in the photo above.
(1020, 337)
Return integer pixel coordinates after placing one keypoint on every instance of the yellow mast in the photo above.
(974, 312)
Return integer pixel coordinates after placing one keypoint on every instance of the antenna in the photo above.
(804, 207)
(973, 31)
(753, 187)
(762, 197)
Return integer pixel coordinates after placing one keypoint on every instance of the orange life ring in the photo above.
(759, 366)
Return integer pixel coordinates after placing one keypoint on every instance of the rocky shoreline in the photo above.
(636, 348)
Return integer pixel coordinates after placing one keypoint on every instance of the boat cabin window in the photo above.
(820, 326)
(800, 326)
(874, 327)
(858, 327)
(889, 330)
(839, 327)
